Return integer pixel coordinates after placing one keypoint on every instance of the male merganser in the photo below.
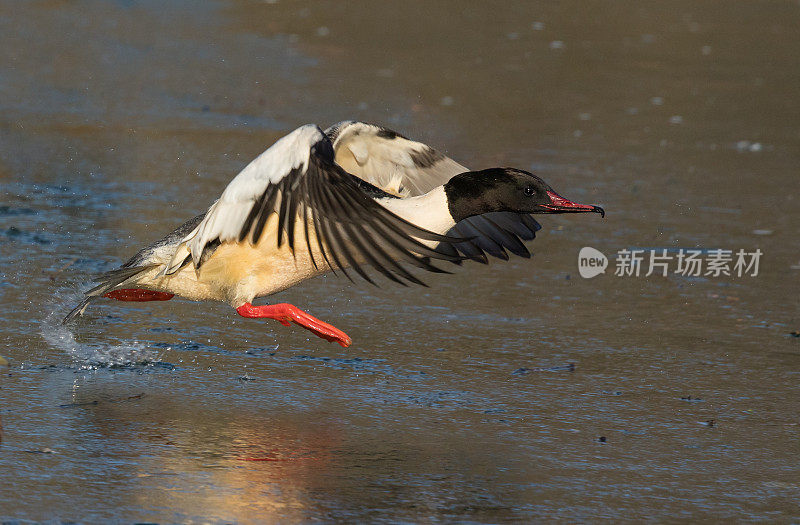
(353, 195)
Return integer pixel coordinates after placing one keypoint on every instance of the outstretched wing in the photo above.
(390, 161)
(407, 168)
(297, 179)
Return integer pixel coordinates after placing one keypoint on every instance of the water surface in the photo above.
(515, 392)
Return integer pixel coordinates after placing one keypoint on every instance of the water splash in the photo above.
(62, 337)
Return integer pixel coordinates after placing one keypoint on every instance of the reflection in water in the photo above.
(257, 469)
(216, 463)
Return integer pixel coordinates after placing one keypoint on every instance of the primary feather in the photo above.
(298, 180)
(407, 168)
(225, 218)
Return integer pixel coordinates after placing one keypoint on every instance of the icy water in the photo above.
(517, 392)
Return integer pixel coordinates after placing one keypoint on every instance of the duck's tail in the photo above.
(108, 282)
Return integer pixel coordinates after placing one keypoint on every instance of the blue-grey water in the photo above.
(517, 392)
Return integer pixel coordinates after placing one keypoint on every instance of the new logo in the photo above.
(591, 262)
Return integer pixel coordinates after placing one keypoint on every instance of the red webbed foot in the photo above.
(138, 295)
(287, 314)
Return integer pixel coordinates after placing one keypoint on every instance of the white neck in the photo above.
(429, 211)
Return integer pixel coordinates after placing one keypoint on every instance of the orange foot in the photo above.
(138, 295)
(287, 313)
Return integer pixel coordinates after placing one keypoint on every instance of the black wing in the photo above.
(343, 224)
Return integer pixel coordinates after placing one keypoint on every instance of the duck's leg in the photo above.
(287, 313)
(138, 295)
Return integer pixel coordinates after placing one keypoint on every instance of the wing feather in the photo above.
(406, 168)
(297, 179)
(390, 161)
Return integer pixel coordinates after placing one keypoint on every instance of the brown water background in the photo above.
(516, 392)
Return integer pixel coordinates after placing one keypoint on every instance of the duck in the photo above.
(354, 197)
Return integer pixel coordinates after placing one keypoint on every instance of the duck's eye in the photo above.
(529, 191)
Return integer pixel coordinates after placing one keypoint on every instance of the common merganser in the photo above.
(318, 201)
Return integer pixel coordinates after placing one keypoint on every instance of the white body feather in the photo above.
(429, 211)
